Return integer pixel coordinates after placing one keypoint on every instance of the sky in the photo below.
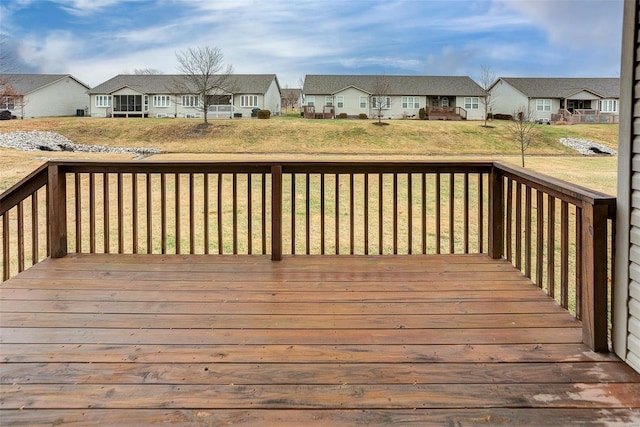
(95, 40)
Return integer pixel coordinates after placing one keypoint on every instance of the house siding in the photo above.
(351, 102)
(61, 98)
(626, 316)
(472, 114)
(273, 99)
(506, 98)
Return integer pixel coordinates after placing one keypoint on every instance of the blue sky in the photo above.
(97, 39)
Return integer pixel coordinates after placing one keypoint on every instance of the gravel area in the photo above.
(588, 148)
(37, 140)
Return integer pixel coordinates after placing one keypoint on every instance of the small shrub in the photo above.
(342, 116)
(264, 114)
(362, 116)
(422, 113)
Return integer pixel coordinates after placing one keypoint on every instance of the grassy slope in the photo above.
(181, 138)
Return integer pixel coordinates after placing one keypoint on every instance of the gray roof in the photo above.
(291, 93)
(564, 87)
(166, 83)
(27, 83)
(399, 85)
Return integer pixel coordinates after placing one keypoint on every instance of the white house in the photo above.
(43, 95)
(442, 97)
(571, 99)
(160, 95)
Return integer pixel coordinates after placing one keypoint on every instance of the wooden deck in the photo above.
(311, 340)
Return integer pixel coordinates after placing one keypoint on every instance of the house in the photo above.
(162, 95)
(43, 95)
(576, 100)
(626, 315)
(291, 98)
(443, 97)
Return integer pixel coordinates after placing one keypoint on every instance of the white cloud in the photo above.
(86, 7)
(51, 54)
(573, 24)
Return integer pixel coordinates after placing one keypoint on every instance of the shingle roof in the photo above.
(27, 83)
(399, 85)
(564, 87)
(166, 83)
(290, 93)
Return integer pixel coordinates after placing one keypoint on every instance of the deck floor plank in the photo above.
(241, 340)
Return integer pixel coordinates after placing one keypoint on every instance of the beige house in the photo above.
(442, 97)
(43, 95)
(158, 96)
(576, 100)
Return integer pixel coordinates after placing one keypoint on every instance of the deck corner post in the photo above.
(57, 211)
(276, 212)
(594, 276)
(496, 227)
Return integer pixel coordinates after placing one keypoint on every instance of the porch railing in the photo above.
(556, 233)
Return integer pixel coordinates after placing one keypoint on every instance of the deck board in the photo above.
(320, 340)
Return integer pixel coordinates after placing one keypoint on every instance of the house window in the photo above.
(471, 103)
(311, 101)
(410, 102)
(382, 102)
(190, 101)
(609, 106)
(328, 101)
(103, 100)
(146, 103)
(161, 101)
(445, 102)
(434, 102)
(249, 101)
(543, 105)
(340, 101)
(363, 102)
(8, 102)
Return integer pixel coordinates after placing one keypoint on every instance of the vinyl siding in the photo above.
(61, 98)
(626, 318)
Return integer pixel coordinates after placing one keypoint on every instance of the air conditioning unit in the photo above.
(161, 115)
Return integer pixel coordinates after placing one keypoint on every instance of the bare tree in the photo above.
(10, 98)
(205, 76)
(487, 77)
(380, 99)
(146, 71)
(290, 97)
(523, 128)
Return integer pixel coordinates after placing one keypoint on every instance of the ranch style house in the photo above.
(442, 97)
(42, 95)
(162, 95)
(573, 100)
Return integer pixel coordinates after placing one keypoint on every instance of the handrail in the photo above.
(23, 188)
(281, 208)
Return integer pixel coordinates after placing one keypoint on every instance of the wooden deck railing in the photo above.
(556, 233)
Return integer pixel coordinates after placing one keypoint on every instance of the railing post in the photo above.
(594, 276)
(57, 211)
(276, 212)
(496, 222)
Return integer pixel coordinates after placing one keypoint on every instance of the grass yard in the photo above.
(292, 137)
